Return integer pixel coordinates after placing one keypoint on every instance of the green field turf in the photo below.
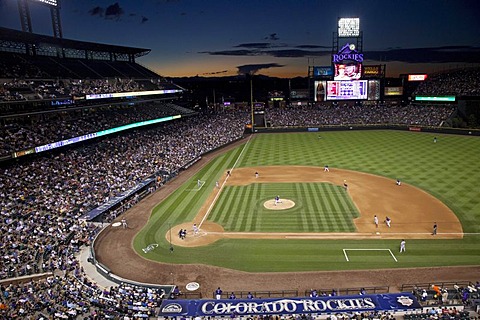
(447, 169)
(319, 207)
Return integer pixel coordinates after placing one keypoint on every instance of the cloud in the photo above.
(254, 68)
(114, 11)
(96, 11)
(272, 36)
(215, 72)
(144, 19)
(233, 53)
(256, 45)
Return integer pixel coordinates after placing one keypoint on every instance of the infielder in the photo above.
(326, 169)
(375, 220)
(388, 221)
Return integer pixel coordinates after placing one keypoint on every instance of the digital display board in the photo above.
(323, 71)
(393, 91)
(347, 90)
(52, 3)
(319, 93)
(348, 71)
(300, 94)
(374, 90)
(417, 77)
(372, 71)
(435, 98)
(349, 27)
(129, 94)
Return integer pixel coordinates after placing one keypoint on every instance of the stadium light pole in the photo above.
(251, 102)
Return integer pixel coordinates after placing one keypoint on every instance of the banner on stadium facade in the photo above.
(281, 306)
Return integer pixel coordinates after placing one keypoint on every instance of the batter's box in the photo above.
(369, 254)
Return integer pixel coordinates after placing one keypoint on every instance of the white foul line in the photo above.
(391, 253)
(221, 187)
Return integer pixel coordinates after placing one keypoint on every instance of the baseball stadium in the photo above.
(351, 198)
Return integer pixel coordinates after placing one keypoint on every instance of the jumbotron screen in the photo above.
(348, 71)
(347, 90)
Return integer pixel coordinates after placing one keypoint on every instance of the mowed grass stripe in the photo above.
(237, 209)
(240, 208)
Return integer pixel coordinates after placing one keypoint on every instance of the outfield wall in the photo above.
(467, 132)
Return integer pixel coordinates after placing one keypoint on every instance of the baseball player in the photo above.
(217, 185)
(375, 220)
(256, 174)
(388, 221)
(277, 200)
(345, 185)
(402, 246)
(199, 183)
(434, 232)
(399, 183)
(195, 229)
(326, 169)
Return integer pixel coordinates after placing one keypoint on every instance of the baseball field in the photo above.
(319, 224)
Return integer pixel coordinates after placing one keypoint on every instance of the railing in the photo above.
(350, 291)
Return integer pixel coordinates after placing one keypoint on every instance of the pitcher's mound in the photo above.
(282, 205)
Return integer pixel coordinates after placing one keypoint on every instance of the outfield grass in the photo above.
(447, 169)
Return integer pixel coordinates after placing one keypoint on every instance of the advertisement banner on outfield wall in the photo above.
(391, 302)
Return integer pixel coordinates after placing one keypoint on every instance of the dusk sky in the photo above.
(271, 37)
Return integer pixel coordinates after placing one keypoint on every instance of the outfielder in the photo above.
(402, 246)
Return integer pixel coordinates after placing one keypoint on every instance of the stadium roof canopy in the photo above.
(30, 43)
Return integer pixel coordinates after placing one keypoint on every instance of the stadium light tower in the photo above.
(26, 21)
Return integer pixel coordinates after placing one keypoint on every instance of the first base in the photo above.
(377, 232)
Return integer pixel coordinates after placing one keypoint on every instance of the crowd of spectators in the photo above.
(374, 114)
(42, 198)
(36, 130)
(459, 82)
(40, 129)
(70, 294)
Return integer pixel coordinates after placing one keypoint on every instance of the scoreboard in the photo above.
(347, 90)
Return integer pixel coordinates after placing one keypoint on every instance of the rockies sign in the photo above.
(320, 305)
